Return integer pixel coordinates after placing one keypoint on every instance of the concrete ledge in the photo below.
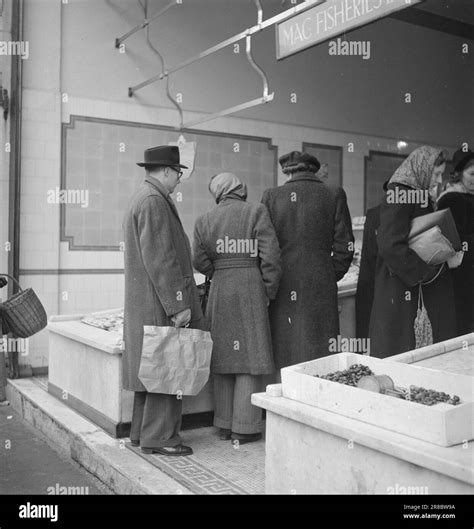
(455, 462)
(106, 458)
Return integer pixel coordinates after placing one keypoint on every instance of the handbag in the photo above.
(203, 290)
(422, 324)
(22, 314)
(175, 360)
(432, 246)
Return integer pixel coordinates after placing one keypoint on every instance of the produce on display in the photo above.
(358, 375)
(112, 322)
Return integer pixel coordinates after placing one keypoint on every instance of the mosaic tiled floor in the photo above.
(216, 467)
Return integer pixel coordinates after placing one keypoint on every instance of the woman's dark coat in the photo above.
(241, 285)
(366, 279)
(462, 208)
(399, 271)
(312, 221)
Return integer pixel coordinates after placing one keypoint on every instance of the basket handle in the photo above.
(14, 280)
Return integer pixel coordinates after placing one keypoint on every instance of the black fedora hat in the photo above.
(165, 155)
(461, 158)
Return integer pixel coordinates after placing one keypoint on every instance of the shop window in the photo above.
(99, 159)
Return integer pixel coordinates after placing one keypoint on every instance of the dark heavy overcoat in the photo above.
(159, 280)
(366, 279)
(312, 221)
(462, 208)
(399, 271)
(241, 284)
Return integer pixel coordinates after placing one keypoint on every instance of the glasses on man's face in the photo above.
(180, 173)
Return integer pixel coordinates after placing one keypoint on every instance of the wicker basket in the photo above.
(23, 314)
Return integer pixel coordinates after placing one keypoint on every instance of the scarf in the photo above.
(224, 185)
(416, 170)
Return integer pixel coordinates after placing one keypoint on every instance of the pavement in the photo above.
(30, 465)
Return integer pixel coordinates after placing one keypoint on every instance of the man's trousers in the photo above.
(156, 419)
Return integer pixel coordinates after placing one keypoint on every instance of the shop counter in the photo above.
(85, 366)
(322, 452)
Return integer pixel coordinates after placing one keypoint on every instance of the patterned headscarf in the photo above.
(417, 169)
(225, 184)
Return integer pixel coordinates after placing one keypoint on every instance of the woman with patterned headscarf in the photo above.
(235, 244)
(401, 275)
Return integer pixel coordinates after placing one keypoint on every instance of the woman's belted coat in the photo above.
(242, 283)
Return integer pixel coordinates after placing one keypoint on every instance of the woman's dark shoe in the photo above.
(134, 442)
(225, 434)
(178, 450)
(242, 439)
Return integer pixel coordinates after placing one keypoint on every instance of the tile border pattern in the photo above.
(71, 125)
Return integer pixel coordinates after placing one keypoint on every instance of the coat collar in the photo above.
(158, 185)
(163, 191)
(305, 176)
(228, 199)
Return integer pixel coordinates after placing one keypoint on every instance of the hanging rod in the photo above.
(266, 98)
(231, 110)
(255, 66)
(144, 24)
(156, 52)
(232, 40)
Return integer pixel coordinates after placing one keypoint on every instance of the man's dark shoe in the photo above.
(135, 442)
(242, 439)
(178, 450)
(225, 434)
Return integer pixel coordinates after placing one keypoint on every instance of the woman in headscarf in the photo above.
(459, 197)
(400, 272)
(235, 244)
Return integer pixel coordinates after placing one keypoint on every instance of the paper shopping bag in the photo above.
(175, 361)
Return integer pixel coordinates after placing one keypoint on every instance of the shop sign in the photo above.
(329, 19)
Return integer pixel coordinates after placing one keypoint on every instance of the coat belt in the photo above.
(235, 262)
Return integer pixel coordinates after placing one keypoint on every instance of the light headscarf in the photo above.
(223, 185)
(417, 169)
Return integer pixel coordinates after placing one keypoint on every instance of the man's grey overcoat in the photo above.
(159, 280)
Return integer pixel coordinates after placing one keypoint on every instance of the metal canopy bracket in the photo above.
(266, 98)
(247, 34)
(145, 23)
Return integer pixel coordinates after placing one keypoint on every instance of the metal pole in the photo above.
(232, 40)
(144, 24)
(231, 110)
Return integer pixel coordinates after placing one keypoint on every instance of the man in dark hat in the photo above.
(314, 230)
(159, 289)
